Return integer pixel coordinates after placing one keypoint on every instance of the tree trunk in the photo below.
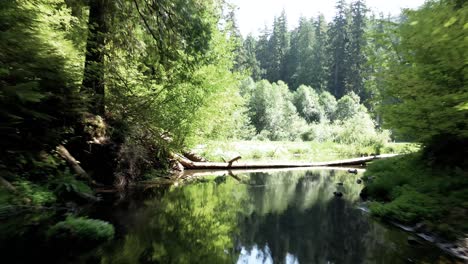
(93, 80)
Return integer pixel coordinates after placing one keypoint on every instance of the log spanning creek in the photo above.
(274, 216)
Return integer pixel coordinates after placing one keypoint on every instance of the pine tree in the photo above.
(338, 39)
(251, 61)
(279, 47)
(304, 41)
(262, 52)
(319, 67)
(355, 50)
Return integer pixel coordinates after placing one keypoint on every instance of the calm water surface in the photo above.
(278, 217)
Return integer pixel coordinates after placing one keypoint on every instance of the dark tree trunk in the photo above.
(93, 81)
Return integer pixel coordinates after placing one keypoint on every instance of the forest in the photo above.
(101, 94)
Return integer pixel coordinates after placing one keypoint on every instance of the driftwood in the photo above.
(191, 165)
(63, 152)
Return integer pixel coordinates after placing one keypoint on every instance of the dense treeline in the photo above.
(326, 56)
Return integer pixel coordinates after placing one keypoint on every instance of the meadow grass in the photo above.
(292, 151)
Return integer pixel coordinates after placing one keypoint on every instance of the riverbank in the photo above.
(429, 199)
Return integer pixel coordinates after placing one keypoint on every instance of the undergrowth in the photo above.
(409, 190)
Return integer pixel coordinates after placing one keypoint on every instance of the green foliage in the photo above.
(360, 129)
(424, 93)
(404, 148)
(409, 206)
(348, 106)
(39, 71)
(180, 91)
(318, 64)
(275, 118)
(307, 102)
(32, 194)
(278, 46)
(273, 113)
(81, 230)
(406, 189)
(66, 184)
(328, 103)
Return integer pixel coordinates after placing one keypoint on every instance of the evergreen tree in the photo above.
(279, 47)
(251, 61)
(355, 50)
(319, 65)
(302, 47)
(262, 51)
(338, 40)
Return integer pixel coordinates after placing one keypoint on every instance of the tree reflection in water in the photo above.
(282, 217)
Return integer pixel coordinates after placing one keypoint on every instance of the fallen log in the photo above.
(63, 152)
(190, 165)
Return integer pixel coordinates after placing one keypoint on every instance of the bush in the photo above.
(81, 230)
(360, 129)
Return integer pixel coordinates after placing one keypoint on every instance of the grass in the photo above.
(408, 190)
(291, 151)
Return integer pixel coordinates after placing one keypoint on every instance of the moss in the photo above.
(81, 230)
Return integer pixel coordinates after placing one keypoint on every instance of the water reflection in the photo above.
(283, 217)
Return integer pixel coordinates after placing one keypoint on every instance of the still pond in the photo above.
(287, 216)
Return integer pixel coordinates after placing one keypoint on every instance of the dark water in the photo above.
(279, 217)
